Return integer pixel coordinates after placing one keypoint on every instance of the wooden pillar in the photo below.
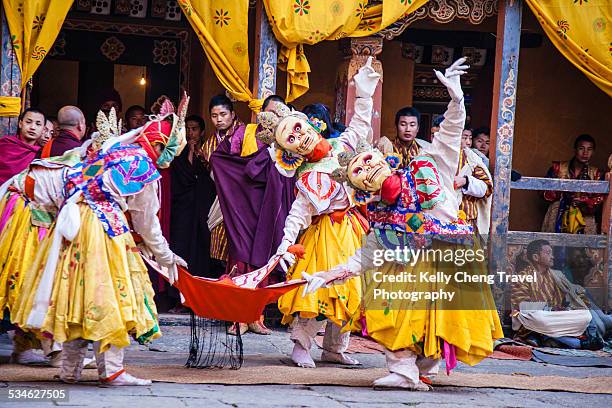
(10, 77)
(266, 55)
(502, 130)
(357, 51)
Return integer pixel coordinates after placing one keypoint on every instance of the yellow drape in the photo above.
(299, 22)
(34, 26)
(222, 27)
(581, 30)
(10, 106)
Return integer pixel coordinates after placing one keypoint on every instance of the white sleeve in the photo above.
(360, 125)
(446, 143)
(299, 218)
(476, 188)
(143, 208)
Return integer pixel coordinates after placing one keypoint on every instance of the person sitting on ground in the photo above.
(547, 309)
(18, 151)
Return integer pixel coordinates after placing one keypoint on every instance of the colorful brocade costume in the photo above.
(572, 213)
(422, 326)
(418, 209)
(100, 289)
(27, 213)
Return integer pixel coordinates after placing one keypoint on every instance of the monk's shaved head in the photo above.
(70, 116)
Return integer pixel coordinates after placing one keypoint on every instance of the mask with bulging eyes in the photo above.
(368, 170)
(296, 135)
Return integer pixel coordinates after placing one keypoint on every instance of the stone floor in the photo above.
(172, 349)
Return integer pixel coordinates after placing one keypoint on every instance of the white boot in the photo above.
(301, 357)
(126, 379)
(338, 358)
(395, 381)
(72, 357)
(29, 357)
(110, 368)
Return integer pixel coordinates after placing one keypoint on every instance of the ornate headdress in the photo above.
(268, 121)
(341, 173)
(108, 128)
(166, 129)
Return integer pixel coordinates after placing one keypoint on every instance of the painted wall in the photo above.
(555, 103)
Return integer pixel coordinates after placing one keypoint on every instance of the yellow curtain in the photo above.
(581, 30)
(222, 27)
(299, 22)
(34, 26)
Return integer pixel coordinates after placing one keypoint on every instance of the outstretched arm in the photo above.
(143, 208)
(446, 144)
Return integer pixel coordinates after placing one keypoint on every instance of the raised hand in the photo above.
(451, 78)
(366, 80)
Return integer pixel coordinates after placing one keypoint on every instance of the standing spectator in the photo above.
(135, 117)
(72, 129)
(480, 140)
(19, 150)
(192, 195)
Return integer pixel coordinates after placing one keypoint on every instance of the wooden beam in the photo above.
(606, 227)
(558, 239)
(502, 132)
(550, 184)
(266, 55)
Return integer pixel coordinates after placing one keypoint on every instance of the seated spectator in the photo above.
(135, 117)
(574, 213)
(550, 310)
(17, 151)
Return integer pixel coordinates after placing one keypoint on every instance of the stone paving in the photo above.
(172, 349)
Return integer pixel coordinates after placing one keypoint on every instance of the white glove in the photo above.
(366, 80)
(320, 280)
(172, 269)
(451, 79)
(314, 282)
(287, 258)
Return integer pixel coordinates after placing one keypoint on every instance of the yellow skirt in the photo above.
(327, 244)
(19, 242)
(471, 323)
(101, 291)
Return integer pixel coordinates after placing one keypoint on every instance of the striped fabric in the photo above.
(406, 152)
(544, 289)
(218, 243)
(468, 203)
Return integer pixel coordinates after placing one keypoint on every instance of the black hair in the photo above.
(481, 130)
(221, 100)
(321, 112)
(275, 98)
(33, 110)
(584, 138)
(132, 109)
(196, 118)
(524, 259)
(437, 121)
(407, 111)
